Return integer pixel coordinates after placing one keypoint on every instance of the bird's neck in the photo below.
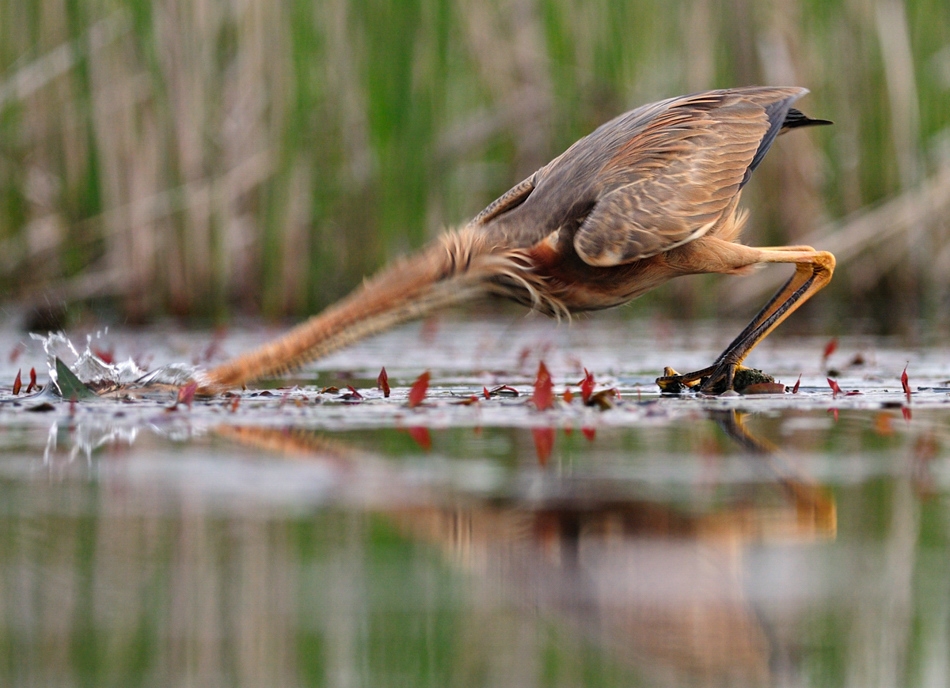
(456, 268)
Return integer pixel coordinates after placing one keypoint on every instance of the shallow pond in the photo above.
(292, 534)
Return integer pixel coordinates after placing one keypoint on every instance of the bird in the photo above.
(650, 195)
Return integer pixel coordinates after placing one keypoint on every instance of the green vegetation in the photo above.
(207, 157)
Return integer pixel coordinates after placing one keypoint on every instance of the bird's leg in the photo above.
(813, 270)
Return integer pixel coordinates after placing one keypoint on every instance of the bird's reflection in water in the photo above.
(656, 584)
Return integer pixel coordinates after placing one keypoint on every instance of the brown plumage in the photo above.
(648, 196)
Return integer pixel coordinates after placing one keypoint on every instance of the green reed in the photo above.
(212, 157)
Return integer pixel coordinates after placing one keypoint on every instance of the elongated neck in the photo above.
(452, 270)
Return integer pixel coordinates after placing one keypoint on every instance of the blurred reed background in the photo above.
(215, 157)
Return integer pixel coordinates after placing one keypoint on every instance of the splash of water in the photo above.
(92, 369)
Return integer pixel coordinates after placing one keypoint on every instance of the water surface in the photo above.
(292, 534)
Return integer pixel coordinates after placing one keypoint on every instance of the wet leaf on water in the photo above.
(798, 384)
(17, 384)
(835, 389)
(383, 382)
(568, 396)
(587, 386)
(486, 393)
(418, 390)
(353, 393)
(30, 387)
(543, 396)
(69, 385)
(543, 443)
(420, 435)
(504, 391)
(330, 390)
(905, 383)
(186, 394)
(468, 401)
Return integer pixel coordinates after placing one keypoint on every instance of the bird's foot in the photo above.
(714, 380)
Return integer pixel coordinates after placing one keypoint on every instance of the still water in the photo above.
(293, 534)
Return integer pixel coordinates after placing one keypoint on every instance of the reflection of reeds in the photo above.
(203, 156)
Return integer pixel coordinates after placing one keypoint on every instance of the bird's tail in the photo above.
(456, 268)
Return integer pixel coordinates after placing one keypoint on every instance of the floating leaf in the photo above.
(798, 383)
(505, 391)
(543, 396)
(354, 394)
(543, 443)
(70, 386)
(568, 396)
(587, 386)
(486, 393)
(835, 389)
(905, 383)
(17, 384)
(383, 382)
(30, 387)
(187, 394)
(418, 390)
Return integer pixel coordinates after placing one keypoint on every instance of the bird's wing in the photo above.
(671, 180)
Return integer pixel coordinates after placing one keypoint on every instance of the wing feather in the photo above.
(672, 183)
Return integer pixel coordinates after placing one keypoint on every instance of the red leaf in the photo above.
(568, 396)
(421, 437)
(835, 389)
(905, 383)
(589, 433)
(30, 387)
(187, 394)
(543, 396)
(830, 348)
(543, 443)
(356, 395)
(418, 390)
(798, 383)
(383, 382)
(587, 385)
(17, 384)
(486, 393)
(103, 355)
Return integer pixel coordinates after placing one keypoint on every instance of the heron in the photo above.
(649, 196)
